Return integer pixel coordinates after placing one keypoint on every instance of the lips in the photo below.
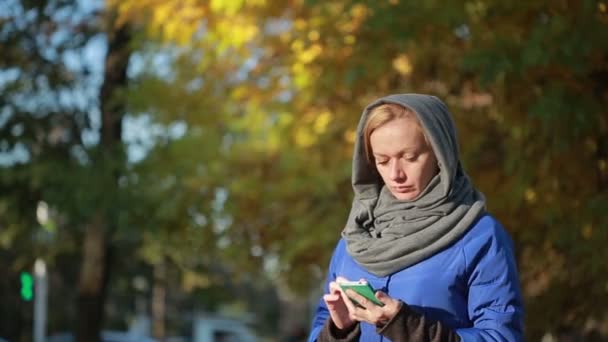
(403, 189)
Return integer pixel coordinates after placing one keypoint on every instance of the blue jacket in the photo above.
(472, 286)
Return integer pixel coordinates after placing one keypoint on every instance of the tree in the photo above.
(258, 104)
(526, 82)
(49, 147)
(110, 160)
(36, 131)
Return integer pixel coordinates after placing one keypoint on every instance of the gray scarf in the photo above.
(386, 235)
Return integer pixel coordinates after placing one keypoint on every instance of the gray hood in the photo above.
(384, 234)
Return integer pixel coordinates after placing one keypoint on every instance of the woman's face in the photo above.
(403, 158)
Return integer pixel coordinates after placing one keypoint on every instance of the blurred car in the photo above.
(207, 328)
(106, 336)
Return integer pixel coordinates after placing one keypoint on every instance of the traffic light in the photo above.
(27, 286)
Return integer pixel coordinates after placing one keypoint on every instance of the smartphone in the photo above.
(362, 288)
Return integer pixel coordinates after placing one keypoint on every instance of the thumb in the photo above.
(388, 300)
(382, 296)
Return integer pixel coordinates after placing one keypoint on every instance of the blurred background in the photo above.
(180, 169)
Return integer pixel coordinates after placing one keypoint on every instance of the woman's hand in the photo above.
(370, 312)
(336, 302)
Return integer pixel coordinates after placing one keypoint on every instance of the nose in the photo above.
(396, 172)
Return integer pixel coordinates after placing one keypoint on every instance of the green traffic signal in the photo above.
(27, 286)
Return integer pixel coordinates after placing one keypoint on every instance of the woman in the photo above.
(418, 233)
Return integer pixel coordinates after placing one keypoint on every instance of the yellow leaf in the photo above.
(297, 45)
(192, 280)
(232, 35)
(359, 11)
(587, 231)
(530, 195)
(347, 27)
(239, 92)
(303, 137)
(299, 24)
(350, 39)
(313, 35)
(350, 135)
(285, 119)
(170, 30)
(161, 14)
(228, 7)
(300, 75)
(402, 64)
(273, 141)
(322, 121)
(285, 36)
(256, 3)
(191, 12)
(310, 54)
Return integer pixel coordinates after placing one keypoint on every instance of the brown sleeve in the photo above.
(331, 333)
(409, 325)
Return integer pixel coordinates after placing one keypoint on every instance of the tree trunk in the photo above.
(92, 282)
(95, 270)
(159, 300)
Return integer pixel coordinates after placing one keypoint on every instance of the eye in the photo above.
(411, 158)
(381, 161)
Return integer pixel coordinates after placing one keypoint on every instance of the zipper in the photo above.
(385, 290)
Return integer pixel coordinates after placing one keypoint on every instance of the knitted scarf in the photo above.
(385, 235)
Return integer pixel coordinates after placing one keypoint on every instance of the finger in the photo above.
(334, 287)
(333, 305)
(385, 299)
(359, 298)
(347, 301)
(359, 313)
(331, 298)
(367, 312)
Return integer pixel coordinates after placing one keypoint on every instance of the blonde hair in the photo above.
(381, 115)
